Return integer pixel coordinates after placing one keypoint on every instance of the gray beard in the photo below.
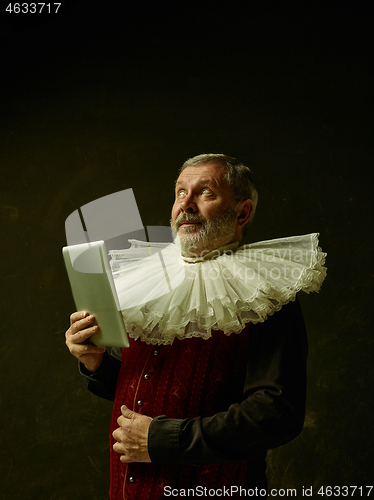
(211, 235)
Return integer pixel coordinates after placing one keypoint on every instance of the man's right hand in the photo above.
(80, 330)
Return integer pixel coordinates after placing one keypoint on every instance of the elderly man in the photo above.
(196, 414)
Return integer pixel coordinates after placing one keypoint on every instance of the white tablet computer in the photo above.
(93, 290)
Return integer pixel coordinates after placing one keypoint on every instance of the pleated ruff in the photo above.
(163, 297)
(190, 378)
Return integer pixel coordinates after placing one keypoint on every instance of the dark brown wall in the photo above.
(96, 100)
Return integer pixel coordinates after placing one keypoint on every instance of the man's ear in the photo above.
(244, 212)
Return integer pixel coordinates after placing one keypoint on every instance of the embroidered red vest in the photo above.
(190, 378)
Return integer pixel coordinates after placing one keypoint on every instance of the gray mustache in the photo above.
(183, 217)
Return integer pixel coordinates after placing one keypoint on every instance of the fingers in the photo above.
(81, 328)
(76, 316)
(132, 437)
(80, 321)
(127, 413)
(124, 445)
(118, 435)
(80, 331)
(128, 416)
(118, 446)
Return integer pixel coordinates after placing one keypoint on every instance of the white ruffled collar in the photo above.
(230, 247)
(164, 296)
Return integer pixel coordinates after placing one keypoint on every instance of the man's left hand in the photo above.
(132, 436)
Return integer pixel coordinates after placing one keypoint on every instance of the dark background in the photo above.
(100, 98)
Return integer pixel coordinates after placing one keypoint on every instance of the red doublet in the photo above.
(190, 378)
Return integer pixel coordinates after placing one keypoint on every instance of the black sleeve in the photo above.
(103, 382)
(270, 414)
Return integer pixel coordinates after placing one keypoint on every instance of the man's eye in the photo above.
(181, 193)
(206, 191)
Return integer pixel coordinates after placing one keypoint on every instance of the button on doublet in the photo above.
(132, 479)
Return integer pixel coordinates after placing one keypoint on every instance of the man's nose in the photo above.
(188, 204)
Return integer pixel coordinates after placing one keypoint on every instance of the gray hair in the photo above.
(238, 176)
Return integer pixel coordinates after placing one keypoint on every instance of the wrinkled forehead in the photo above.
(212, 173)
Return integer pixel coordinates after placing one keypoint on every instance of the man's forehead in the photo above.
(200, 179)
(211, 173)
